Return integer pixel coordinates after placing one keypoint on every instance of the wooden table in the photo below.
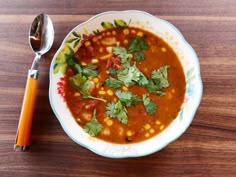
(208, 148)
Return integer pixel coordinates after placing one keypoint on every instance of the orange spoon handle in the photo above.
(26, 116)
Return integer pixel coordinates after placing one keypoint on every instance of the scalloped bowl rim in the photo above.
(125, 152)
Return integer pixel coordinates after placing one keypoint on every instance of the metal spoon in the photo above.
(41, 36)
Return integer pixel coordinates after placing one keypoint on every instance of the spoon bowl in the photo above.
(41, 37)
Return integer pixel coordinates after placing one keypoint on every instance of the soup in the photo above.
(124, 85)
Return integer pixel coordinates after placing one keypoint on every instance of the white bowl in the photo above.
(186, 55)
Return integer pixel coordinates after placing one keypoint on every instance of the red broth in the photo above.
(141, 124)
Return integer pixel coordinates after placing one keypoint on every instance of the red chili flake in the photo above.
(114, 61)
(93, 103)
(85, 52)
(138, 133)
(109, 63)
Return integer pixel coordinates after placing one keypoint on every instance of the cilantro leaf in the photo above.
(93, 127)
(90, 70)
(128, 98)
(78, 68)
(112, 71)
(117, 110)
(159, 80)
(128, 76)
(78, 81)
(139, 56)
(82, 84)
(110, 109)
(122, 53)
(160, 76)
(142, 79)
(131, 75)
(150, 106)
(137, 44)
(152, 87)
(114, 83)
(160, 93)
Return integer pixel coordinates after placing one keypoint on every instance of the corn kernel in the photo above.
(109, 122)
(109, 92)
(83, 63)
(101, 92)
(87, 43)
(106, 131)
(161, 127)
(173, 90)
(147, 135)
(140, 34)
(124, 88)
(125, 41)
(106, 118)
(100, 49)
(168, 95)
(152, 130)
(95, 80)
(78, 120)
(109, 49)
(158, 122)
(129, 133)
(95, 39)
(126, 31)
(147, 126)
(133, 31)
(118, 43)
(94, 61)
(163, 49)
(113, 32)
(77, 94)
(97, 85)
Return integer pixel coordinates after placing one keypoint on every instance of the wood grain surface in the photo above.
(208, 148)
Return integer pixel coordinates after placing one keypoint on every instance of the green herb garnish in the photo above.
(82, 84)
(113, 83)
(121, 52)
(89, 70)
(93, 127)
(159, 80)
(128, 98)
(117, 110)
(160, 76)
(139, 56)
(152, 87)
(137, 44)
(150, 106)
(112, 71)
(131, 75)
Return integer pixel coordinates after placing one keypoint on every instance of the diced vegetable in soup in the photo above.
(124, 85)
